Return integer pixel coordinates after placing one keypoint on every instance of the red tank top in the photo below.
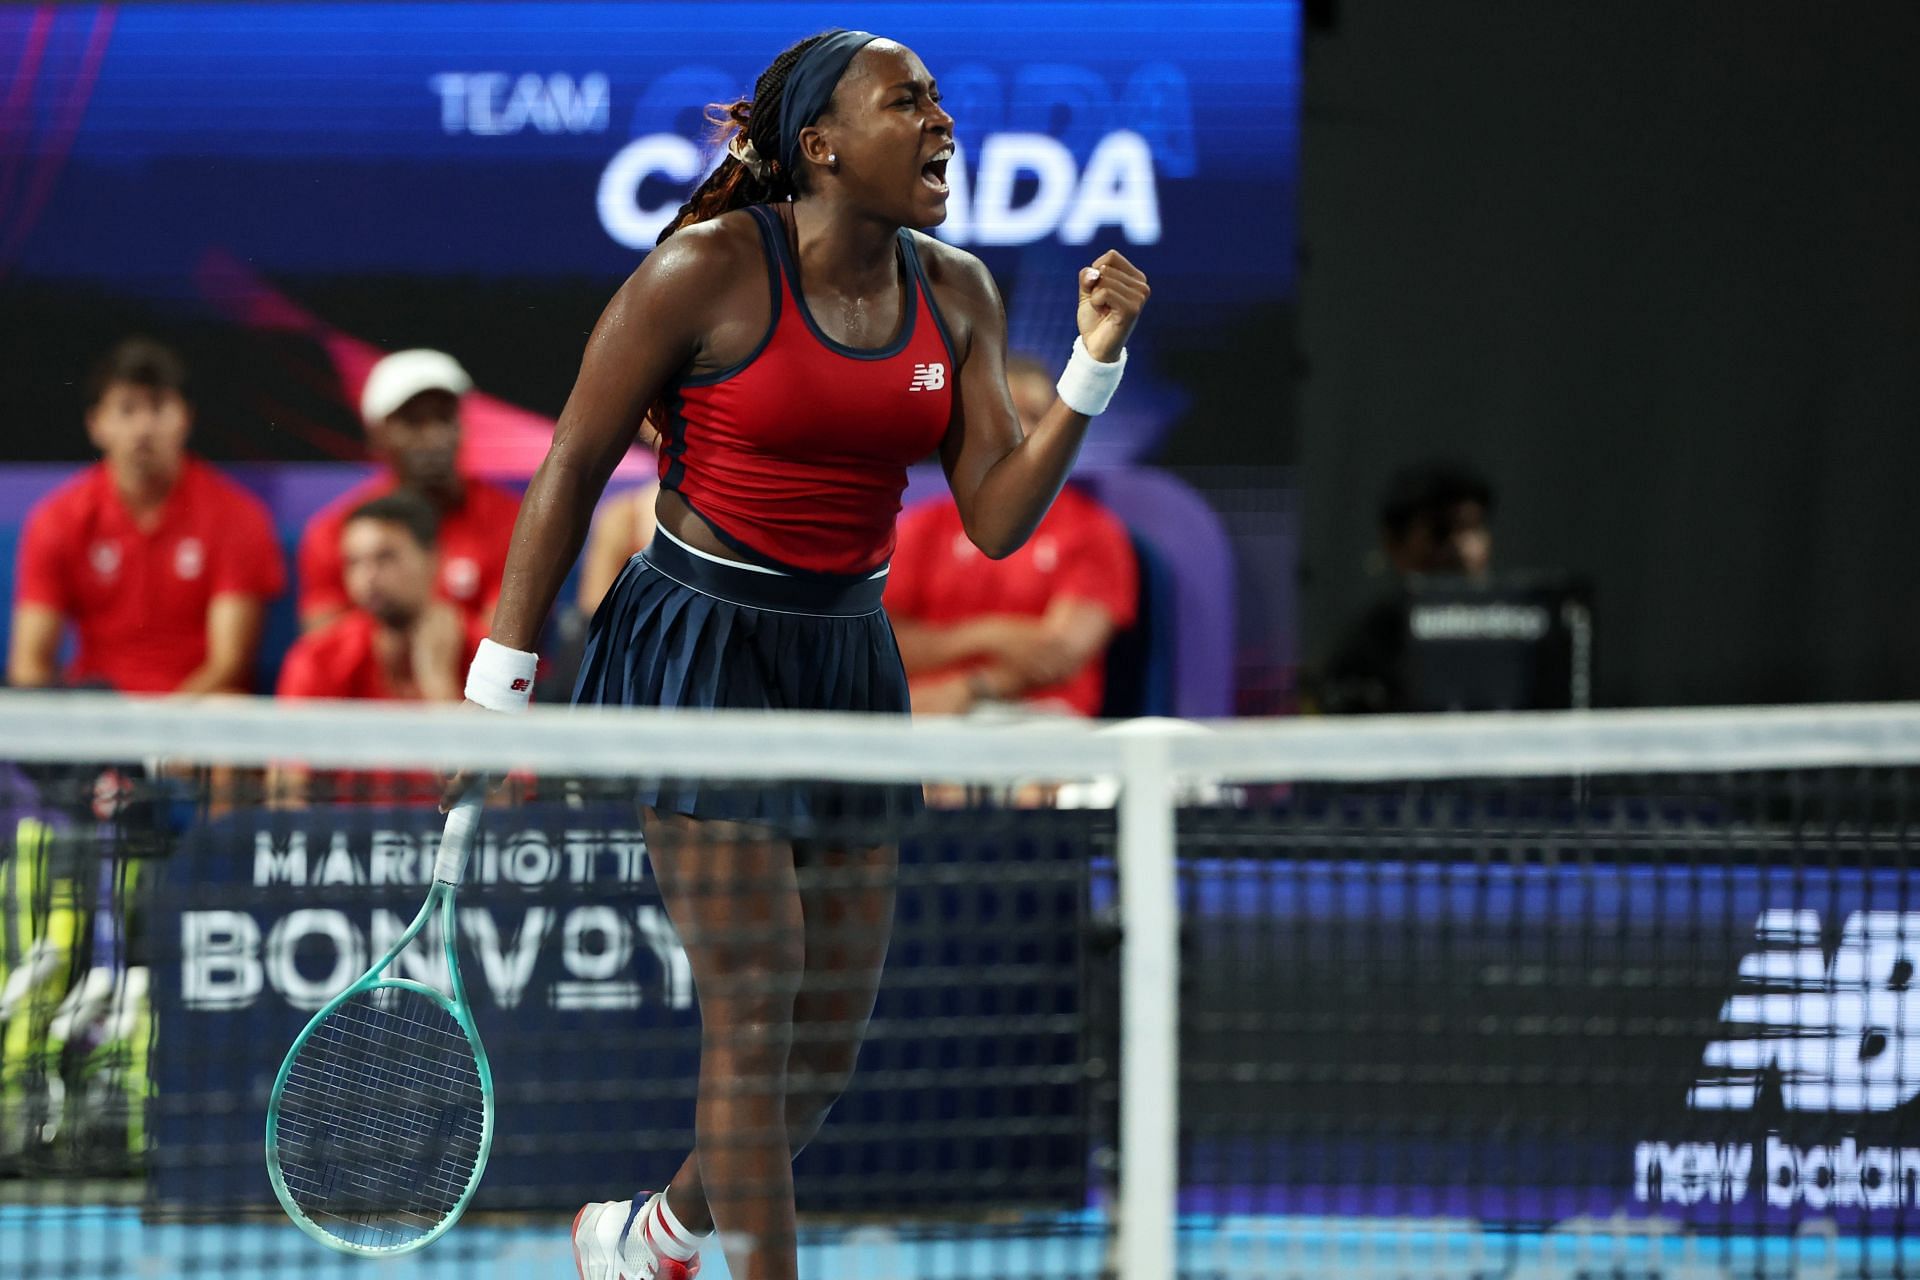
(797, 456)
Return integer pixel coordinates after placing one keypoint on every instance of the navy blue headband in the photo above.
(810, 86)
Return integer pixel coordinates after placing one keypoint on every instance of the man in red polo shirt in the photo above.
(1030, 629)
(161, 565)
(396, 641)
(411, 405)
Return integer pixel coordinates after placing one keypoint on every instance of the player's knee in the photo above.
(758, 972)
(819, 1069)
(757, 1031)
(823, 1067)
(753, 1024)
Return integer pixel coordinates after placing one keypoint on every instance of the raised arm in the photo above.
(648, 333)
(1002, 478)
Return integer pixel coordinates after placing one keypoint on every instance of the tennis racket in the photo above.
(382, 1115)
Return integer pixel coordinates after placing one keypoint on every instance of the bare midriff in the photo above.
(677, 518)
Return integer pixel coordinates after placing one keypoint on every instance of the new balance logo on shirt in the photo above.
(1836, 1030)
(929, 377)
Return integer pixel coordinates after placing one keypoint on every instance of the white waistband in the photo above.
(666, 533)
(708, 555)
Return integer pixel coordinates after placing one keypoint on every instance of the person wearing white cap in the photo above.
(411, 407)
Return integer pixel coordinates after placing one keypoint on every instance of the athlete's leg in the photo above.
(732, 893)
(847, 896)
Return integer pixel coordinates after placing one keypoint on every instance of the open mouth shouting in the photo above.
(934, 171)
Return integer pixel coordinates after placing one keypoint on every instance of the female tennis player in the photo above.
(799, 344)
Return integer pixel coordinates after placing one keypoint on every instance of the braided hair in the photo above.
(733, 185)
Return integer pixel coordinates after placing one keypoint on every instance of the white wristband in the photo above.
(1088, 384)
(501, 679)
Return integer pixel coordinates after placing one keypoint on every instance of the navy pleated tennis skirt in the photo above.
(680, 629)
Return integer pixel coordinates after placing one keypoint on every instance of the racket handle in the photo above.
(463, 820)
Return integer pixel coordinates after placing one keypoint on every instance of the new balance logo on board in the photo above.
(929, 377)
(1843, 1033)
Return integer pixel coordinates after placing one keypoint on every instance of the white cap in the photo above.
(405, 374)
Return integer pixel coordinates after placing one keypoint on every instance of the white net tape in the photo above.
(760, 745)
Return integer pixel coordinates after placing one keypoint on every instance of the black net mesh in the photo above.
(1637, 1027)
(217, 910)
(381, 1123)
(1650, 1026)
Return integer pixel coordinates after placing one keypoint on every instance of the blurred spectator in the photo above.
(1030, 629)
(396, 641)
(411, 406)
(621, 530)
(161, 565)
(1433, 521)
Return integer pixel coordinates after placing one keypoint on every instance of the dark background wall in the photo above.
(1655, 266)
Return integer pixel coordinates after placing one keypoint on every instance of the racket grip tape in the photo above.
(456, 842)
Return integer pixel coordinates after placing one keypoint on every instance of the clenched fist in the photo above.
(1112, 293)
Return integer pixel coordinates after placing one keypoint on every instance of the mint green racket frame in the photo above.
(455, 844)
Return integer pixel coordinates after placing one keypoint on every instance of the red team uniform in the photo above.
(337, 661)
(797, 456)
(473, 541)
(139, 599)
(1080, 551)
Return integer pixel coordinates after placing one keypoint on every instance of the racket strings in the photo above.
(382, 1119)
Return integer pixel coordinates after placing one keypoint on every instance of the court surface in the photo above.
(80, 1243)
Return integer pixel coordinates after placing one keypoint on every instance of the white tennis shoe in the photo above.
(599, 1231)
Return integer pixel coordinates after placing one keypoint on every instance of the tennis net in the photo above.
(1482, 997)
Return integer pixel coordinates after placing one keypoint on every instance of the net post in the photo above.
(1149, 1010)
